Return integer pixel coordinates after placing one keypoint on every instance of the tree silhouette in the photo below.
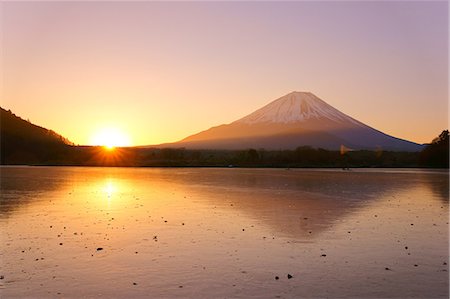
(436, 154)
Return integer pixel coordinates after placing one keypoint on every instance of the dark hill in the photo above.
(22, 142)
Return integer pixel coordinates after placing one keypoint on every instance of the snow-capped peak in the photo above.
(295, 107)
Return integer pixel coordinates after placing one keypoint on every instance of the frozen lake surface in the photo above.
(223, 233)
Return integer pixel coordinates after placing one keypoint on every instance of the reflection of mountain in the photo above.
(296, 119)
(293, 203)
(23, 185)
(438, 183)
(296, 203)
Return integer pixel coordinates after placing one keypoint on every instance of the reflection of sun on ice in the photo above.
(110, 138)
(109, 188)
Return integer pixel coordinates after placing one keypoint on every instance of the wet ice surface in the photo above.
(223, 233)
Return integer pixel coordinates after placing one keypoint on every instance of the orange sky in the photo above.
(159, 72)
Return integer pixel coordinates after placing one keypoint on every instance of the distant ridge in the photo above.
(293, 120)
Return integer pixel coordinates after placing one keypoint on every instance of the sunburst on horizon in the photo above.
(110, 138)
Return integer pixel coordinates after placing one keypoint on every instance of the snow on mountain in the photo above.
(296, 107)
(296, 119)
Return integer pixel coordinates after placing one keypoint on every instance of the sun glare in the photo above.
(110, 138)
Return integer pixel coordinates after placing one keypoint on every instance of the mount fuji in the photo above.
(294, 120)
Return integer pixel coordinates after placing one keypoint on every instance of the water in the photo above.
(223, 233)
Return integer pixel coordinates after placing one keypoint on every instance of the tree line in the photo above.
(23, 143)
(434, 155)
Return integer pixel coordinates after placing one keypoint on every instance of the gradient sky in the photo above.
(162, 71)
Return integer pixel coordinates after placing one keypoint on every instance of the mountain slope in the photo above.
(296, 119)
(24, 143)
(296, 107)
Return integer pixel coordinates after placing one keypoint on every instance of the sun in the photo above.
(110, 138)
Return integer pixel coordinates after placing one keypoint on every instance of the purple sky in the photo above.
(161, 71)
